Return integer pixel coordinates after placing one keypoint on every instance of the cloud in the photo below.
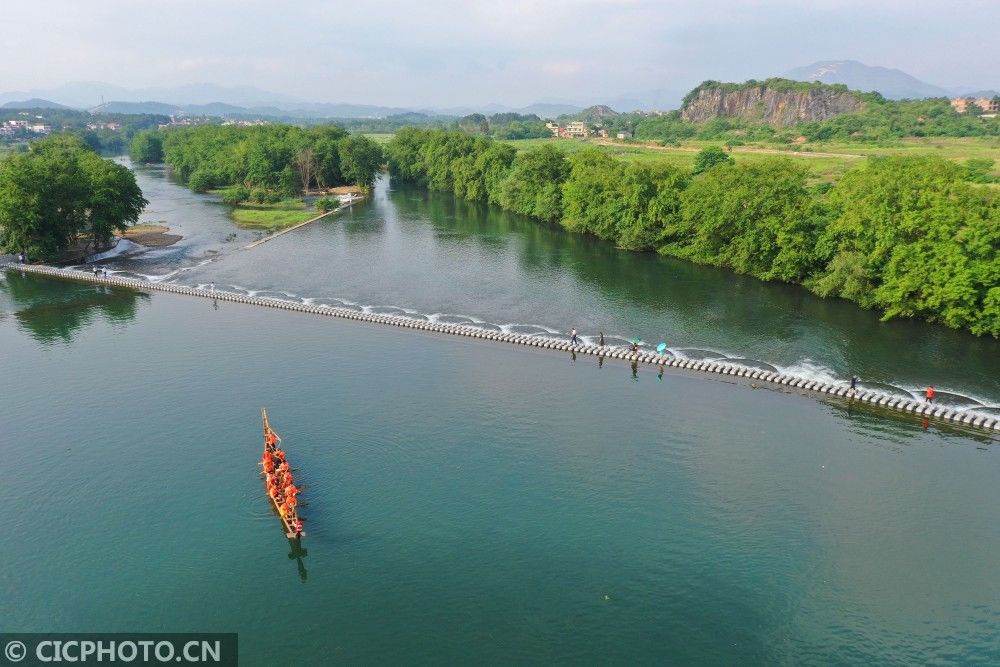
(444, 52)
(565, 68)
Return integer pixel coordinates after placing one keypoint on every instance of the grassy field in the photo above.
(271, 217)
(381, 138)
(827, 161)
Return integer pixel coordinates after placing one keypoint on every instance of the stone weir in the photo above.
(903, 404)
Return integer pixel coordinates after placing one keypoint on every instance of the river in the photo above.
(473, 502)
(432, 255)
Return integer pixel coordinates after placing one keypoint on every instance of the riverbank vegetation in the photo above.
(281, 160)
(876, 122)
(263, 209)
(61, 193)
(827, 161)
(908, 236)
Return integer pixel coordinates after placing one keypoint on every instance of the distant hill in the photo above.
(649, 100)
(594, 115)
(777, 102)
(86, 94)
(33, 103)
(219, 109)
(548, 109)
(333, 110)
(893, 84)
(161, 108)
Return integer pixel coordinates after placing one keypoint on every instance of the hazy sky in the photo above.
(443, 52)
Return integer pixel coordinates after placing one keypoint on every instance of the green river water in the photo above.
(467, 501)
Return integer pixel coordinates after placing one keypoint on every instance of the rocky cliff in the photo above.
(778, 106)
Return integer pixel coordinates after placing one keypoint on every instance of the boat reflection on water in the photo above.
(298, 552)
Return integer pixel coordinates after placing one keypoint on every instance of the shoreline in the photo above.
(151, 236)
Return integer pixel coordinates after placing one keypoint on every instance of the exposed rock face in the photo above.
(763, 104)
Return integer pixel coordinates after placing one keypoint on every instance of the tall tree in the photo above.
(305, 165)
(360, 159)
(59, 192)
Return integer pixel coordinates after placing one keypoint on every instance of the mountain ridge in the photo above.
(893, 84)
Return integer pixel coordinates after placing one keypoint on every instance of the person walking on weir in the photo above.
(573, 338)
(854, 385)
(600, 340)
(930, 394)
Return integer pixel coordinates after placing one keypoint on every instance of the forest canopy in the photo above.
(283, 158)
(61, 191)
(908, 236)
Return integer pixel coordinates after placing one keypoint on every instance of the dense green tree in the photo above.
(403, 154)
(632, 205)
(289, 183)
(236, 195)
(202, 180)
(361, 159)
(709, 157)
(147, 147)
(977, 170)
(494, 163)
(207, 156)
(653, 200)
(61, 191)
(756, 218)
(911, 237)
(115, 200)
(534, 185)
(589, 194)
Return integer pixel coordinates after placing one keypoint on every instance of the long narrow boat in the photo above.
(289, 517)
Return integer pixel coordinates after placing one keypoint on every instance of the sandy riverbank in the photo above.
(151, 236)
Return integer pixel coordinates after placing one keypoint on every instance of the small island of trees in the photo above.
(61, 193)
(264, 161)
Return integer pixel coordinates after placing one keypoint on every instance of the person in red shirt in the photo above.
(930, 394)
